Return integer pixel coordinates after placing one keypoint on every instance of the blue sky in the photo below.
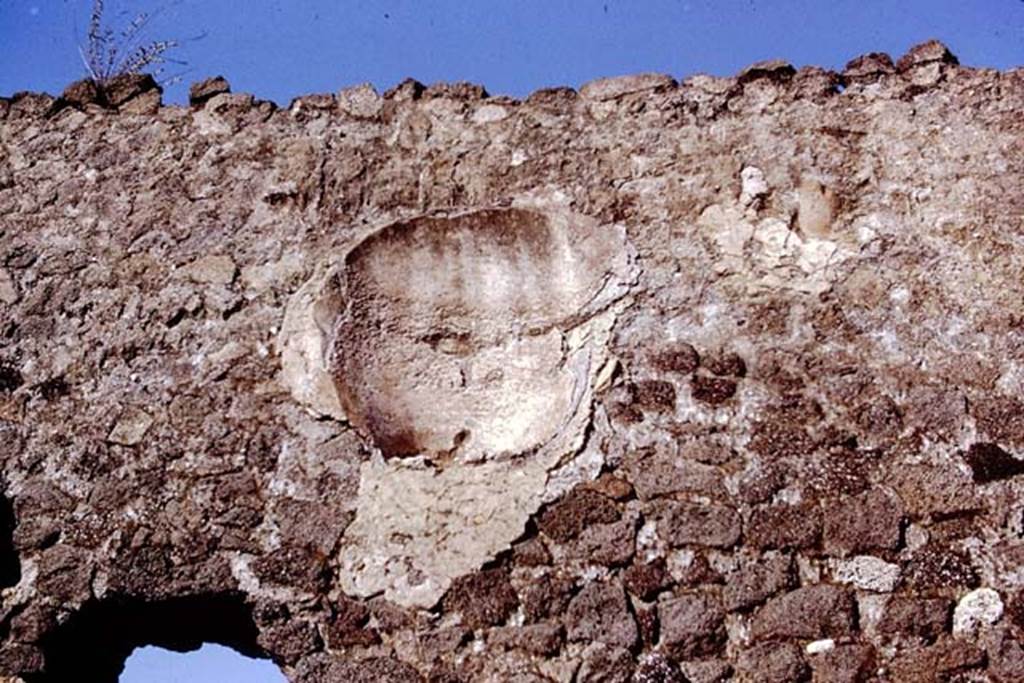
(278, 49)
(209, 664)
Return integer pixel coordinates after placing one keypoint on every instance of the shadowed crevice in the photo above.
(10, 566)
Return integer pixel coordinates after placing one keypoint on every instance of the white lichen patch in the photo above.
(465, 350)
(765, 254)
(979, 608)
(818, 647)
(131, 427)
(302, 344)
(868, 572)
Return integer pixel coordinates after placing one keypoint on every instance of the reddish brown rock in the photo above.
(771, 69)
(725, 364)
(879, 419)
(845, 663)
(612, 486)
(325, 667)
(940, 661)
(656, 472)
(646, 580)
(756, 581)
(934, 491)
(293, 566)
(698, 572)
(546, 596)
(812, 613)
(599, 612)
(773, 663)
(1005, 657)
(713, 670)
(121, 89)
(914, 617)
(937, 566)
(603, 664)
(869, 67)
(655, 668)
(485, 598)
(531, 553)
(1001, 419)
(680, 358)
(580, 508)
(201, 92)
(692, 625)
(759, 484)
(712, 390)
(865, 524)
(348, 628)
(81, 93)
(542, 640)
(784, 526)
(656, 396)
(608, 545)
(782, 436)
(682, 523)
(926, 53)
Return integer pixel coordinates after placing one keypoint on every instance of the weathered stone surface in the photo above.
(483, 599)
(1006, 657)
(869, 67)
(437, 385)
(121, 90)
(603, 664)
(81, 93)
(692, 625)
(942, 660)
(773, 663)
(613, 88)
(580, 508)
(538, 639)
(784, 526)
(757, 580)
(201, 92)
(934, 491)
(698, 524)
(935, 566)
(847, 663)
(866, 523)
(599, 612)
(658, 472)
(646, 580)
(914, 617)
(655, 668)
(546, 596)
(811, 613)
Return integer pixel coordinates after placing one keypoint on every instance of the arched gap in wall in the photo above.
(94, 644)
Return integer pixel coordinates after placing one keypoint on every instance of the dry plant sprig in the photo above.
(108, 54)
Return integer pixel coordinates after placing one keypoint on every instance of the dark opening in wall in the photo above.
(94, 643)
(10, 567)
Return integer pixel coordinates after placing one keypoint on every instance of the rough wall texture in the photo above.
(719, 380)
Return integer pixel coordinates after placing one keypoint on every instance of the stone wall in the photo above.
(655, 381)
